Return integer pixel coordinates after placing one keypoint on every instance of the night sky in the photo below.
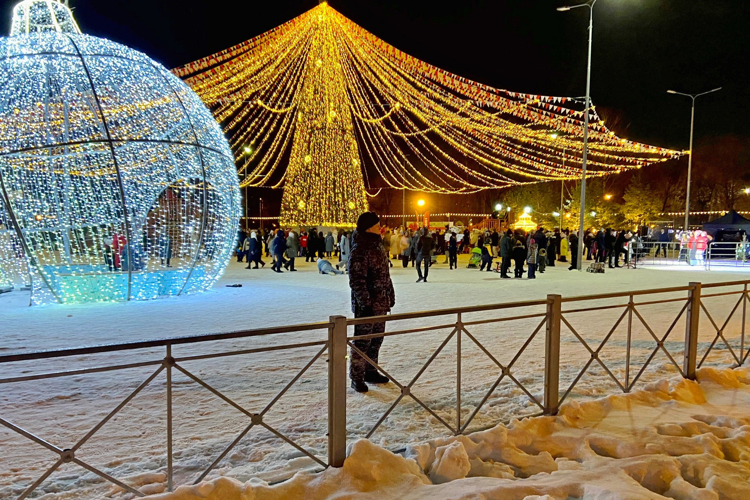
(641, 48)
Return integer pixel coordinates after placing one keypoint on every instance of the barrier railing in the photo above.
(555, 337)
(727, 254)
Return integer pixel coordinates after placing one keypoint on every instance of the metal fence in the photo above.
(478, 349)
(727, 254)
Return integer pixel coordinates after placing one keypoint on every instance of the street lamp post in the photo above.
(690, 158)
(554, 135)
(590, 5)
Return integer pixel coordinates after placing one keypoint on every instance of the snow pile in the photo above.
(675, 439)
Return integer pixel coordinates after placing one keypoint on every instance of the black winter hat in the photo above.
(366, 221)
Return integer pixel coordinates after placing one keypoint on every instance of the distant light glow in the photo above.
(499, 207)
(420, 203)
(527, 210)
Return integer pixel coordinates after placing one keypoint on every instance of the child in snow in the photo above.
(486, 259)
(531, 258)
(519, 256)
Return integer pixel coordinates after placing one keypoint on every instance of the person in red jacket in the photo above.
(692, 241)
(701, 245)
(303, 243)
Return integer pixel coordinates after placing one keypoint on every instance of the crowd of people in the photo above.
(526, 253)
(368, 252)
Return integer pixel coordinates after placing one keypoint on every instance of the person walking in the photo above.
(414, 242)
(278, 249)
(292, 249)
(506, 249)
(372, 295)
(424, 254)
(255, 252)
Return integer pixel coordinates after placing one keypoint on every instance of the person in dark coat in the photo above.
(519, 257)
(453, 251)
(609, 244)
(255, 252)
(601, 246)
(506, 250)
(312, 246)
(552, 248)
(321, 244)
(663, 242)
(424, 254)
(573, 241)
(242, 235)
(588, 240)
(279, 249)
(292, 250)
(495, 241)
(372, 295)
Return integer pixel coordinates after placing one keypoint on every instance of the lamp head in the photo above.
(563, 9)
(420, 203)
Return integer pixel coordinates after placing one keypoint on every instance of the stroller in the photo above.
(476, 258)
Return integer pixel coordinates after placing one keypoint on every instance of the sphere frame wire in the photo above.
(200, 148)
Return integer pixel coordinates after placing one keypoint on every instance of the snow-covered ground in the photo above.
(132, 445)
(675, 439)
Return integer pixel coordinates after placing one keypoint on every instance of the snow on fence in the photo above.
(452, 370)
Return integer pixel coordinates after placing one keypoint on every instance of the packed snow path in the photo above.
(132, 444)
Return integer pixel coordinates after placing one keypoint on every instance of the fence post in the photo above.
(552, 355)
(691, 331)
(337, 391)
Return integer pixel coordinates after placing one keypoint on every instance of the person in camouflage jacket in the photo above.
(372, 295)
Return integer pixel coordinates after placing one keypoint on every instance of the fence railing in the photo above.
(555, 336)
(727, 254)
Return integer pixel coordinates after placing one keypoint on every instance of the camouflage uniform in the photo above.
(372, 295)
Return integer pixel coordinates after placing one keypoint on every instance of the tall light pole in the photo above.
(690, 158)
(590, 5)
(555, 135)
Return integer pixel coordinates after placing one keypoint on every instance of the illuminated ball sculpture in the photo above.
(116, 183)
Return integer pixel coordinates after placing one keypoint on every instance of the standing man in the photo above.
(424, 253)
(372, 295)
(506, 249)
(573, 240)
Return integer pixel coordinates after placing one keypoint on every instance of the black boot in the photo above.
(376, 378)
(359, 386)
